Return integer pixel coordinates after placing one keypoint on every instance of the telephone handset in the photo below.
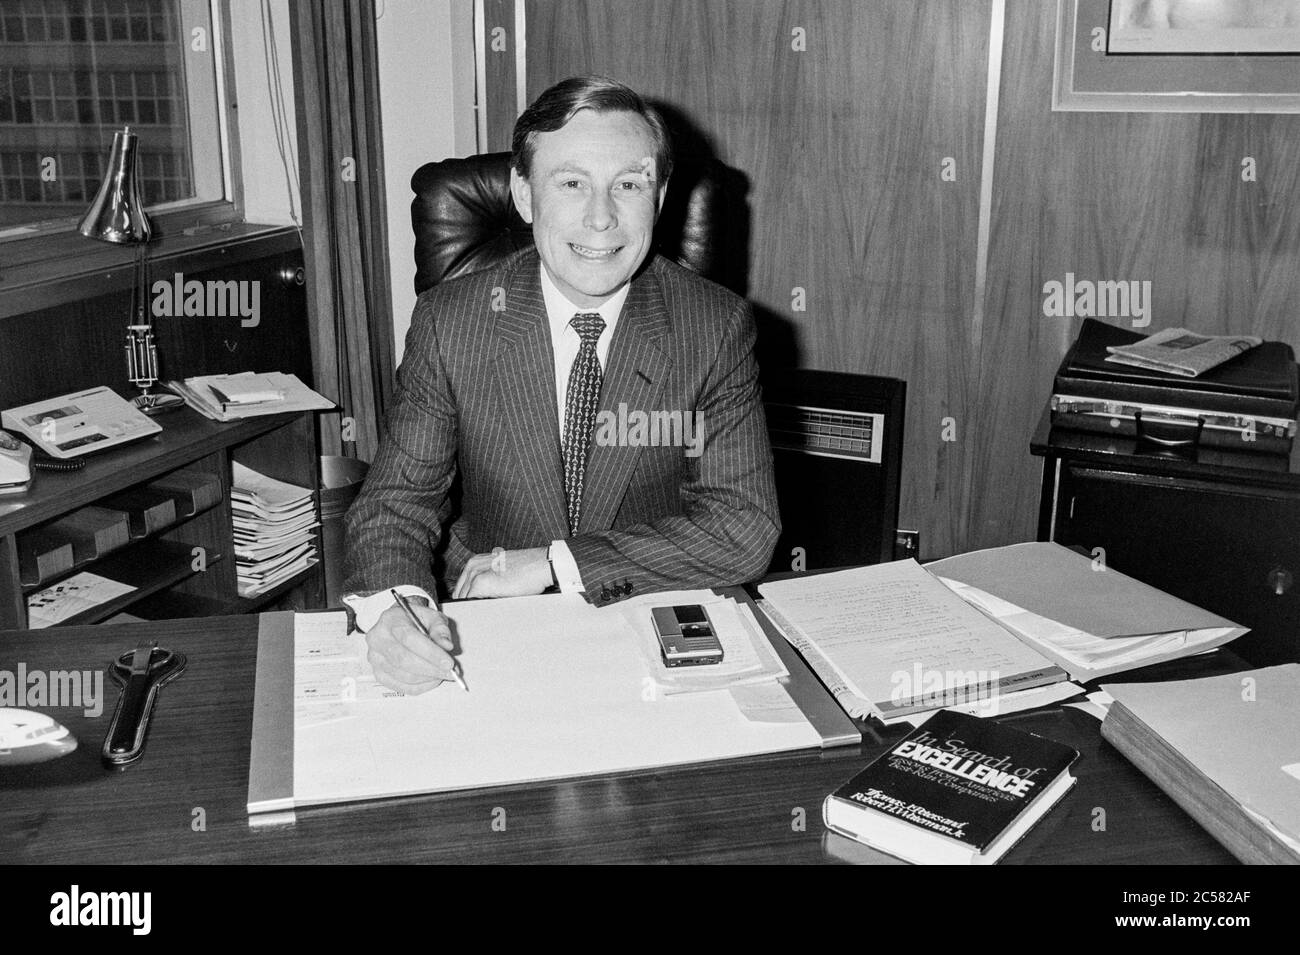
(15, 465)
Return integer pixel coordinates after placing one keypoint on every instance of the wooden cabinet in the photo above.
(188, 567)
(1220, 529)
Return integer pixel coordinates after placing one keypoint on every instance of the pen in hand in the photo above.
(415, 622)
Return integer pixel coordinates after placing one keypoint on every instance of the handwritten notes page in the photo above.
(557, 688)
(895, 638)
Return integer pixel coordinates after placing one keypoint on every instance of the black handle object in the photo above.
(142, 672)
(1144, 433)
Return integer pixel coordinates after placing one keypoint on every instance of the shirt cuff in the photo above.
(368, 610)
(565, 568)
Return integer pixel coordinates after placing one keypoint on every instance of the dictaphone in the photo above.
(686, 636)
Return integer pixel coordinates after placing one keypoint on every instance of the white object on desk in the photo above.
(293, 395)
(79, 423)
(67, 598)
(558, 689)
(890, 640)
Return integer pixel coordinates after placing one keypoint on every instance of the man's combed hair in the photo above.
(555, 107)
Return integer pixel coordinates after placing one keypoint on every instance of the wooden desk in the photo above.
(74, 811)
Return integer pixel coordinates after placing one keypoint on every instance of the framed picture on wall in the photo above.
(1198, 56)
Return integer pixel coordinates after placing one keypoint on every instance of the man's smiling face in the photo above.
(592, 197)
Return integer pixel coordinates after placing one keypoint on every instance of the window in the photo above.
(74, 72)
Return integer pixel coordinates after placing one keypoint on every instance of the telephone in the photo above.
(15, 465)
(76, 424)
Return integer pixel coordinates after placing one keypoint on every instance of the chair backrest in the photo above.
(465, 220)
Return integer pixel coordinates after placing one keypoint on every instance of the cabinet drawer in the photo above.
(1233, 550)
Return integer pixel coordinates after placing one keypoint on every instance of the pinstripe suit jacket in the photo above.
(477, 395)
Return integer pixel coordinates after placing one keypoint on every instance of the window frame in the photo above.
(27, 261)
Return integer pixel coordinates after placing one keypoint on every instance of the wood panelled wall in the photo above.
(843, 144)
(1145, 196)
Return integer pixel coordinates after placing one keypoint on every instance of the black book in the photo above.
(958, 790)
(1261, 382)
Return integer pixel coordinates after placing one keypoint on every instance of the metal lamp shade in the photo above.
(117, 214)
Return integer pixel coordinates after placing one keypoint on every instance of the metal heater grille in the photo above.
(828, 432)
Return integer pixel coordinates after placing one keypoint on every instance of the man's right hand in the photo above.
(403, 658)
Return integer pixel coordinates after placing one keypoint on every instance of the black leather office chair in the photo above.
(465, 220)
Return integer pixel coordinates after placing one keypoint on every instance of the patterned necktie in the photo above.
(580, 404)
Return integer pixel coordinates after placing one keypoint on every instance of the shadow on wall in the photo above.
(724, 245)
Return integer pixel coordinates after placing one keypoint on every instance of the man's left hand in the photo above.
(504, 573)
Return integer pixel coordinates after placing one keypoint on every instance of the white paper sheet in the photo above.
(890, 629)
(557, 688)
(70, 597)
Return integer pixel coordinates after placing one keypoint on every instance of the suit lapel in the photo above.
(525, 381)
(635, 376)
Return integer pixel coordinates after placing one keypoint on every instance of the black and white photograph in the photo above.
(672, 432)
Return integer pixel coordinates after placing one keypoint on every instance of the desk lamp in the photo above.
(117, 215)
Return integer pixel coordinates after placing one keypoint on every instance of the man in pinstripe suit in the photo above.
(523, 379)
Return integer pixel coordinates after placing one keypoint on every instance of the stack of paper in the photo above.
(274, 522)
(1088, 618)
(1226, 749)
(892, 642)
(246, 395)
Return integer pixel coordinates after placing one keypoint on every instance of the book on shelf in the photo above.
(959, 790)
(1225, 748)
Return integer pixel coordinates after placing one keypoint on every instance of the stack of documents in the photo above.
(1226, 749)
(274, 524)
(893, 643)
(1088, 618)
(246, 395)
(1007, 625)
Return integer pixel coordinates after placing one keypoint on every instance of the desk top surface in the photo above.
(185, 800)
